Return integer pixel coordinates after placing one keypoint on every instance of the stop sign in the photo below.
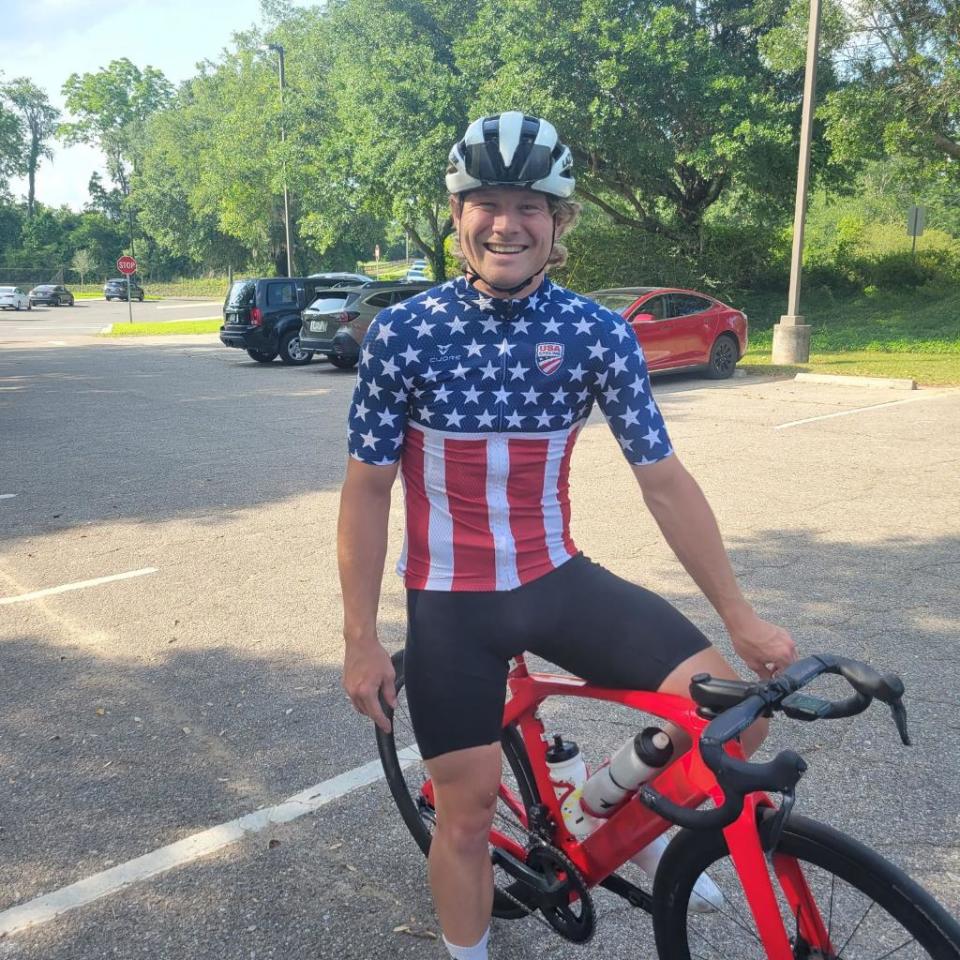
(127, 265)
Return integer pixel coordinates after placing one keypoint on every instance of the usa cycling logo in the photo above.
(549, 357)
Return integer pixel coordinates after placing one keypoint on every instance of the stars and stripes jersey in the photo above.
(481, 400)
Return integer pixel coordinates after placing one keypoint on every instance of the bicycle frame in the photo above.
(687, 781)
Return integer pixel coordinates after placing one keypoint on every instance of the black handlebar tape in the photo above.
(714, 819)
(848, 707)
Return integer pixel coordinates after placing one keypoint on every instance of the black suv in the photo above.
(335, 323)
(262, 316)
(116, 289)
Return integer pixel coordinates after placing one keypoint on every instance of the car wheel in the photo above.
(140, 298)
(291, 353)
(723, 358)
(262, 357)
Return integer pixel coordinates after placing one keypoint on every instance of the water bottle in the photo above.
(568, 773)
(640, 759)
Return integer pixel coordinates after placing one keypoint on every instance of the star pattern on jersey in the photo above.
(462, 363)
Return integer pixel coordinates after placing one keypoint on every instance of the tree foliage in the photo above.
(38, 118)
(903, 98)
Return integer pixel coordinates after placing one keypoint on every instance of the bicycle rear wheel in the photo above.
(869, 907)
(409, 783)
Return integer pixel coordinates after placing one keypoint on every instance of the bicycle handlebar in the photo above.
(736, 777)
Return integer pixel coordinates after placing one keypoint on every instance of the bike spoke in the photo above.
(853, 933)
(890, 953)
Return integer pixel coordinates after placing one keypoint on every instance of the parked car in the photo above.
(116, 289)
(681, 328)
(334, 323)
(420, 265)
(262, 316)
(340, 279)
(13, 298)
(416, 276)
(54, 294)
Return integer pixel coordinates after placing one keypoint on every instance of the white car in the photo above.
(13, 298)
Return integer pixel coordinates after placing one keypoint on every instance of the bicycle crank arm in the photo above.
(629, 891)
(536, 890)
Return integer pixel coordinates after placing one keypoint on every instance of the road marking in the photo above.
(57, 343)
(7, 496)
(51, 905)
(179, 306)
(847, 413)
(78, 585)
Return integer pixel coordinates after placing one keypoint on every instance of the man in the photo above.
(477, 391)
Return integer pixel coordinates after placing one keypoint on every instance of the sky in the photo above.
(47, 40)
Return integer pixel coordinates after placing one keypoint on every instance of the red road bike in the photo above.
(791, 888)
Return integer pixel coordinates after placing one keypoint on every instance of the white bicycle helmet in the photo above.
(511, 149)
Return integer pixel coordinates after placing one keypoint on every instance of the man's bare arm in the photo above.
(690, 528)
(361, 551)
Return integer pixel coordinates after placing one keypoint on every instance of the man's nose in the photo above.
(505, 222)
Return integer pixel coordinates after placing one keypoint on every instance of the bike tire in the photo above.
(405, 787)
(908, 910)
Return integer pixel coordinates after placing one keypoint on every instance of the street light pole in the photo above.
(283, 139)
(791, 336)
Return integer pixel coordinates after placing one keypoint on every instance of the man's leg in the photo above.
(678, 682)
(465, 783)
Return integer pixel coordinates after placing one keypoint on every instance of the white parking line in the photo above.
(78, 585)
(7, 496)
(85, 891)
(847, 413)
(180, 306)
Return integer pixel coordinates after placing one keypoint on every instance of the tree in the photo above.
(39, 119)
(11, 145)
(904, 98)
(83, 262)
(667, 106)
(400, 101)
(110, 107)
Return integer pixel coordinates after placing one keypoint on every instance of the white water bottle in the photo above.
(568, 773)
(640, 759)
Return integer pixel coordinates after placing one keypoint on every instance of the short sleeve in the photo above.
(622, 391)
(378, 412)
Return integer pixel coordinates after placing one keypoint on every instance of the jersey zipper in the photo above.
(503, 363)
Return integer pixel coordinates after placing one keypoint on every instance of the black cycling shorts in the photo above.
(581, 617)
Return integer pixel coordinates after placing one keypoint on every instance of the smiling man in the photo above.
(476, 392)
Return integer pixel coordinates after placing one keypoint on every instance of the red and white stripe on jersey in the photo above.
(485, 511)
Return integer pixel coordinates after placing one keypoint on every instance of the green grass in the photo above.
(98, 295)
(913, 334)
(174, 329)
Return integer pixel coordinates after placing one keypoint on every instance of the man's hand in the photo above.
(367, 671)
(763, 646)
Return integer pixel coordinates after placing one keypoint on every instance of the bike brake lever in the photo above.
(899, 712)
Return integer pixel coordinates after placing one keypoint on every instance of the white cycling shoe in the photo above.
(706, 896)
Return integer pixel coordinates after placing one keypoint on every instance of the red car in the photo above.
(680, 328)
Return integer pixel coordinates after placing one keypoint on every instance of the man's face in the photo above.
(505, 233)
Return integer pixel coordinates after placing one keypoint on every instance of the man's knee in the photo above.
(466, 785)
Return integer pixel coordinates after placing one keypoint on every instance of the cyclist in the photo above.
(476, 391)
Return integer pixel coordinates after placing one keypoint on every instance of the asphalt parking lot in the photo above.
(192, 678)
(86, 317)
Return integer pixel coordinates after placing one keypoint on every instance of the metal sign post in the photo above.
(127, 266)
(916, 217)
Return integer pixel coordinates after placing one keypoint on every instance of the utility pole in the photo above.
(791, 336)
(278, 48)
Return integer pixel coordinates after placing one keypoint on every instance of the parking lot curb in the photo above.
(890, 383)
(107, 330)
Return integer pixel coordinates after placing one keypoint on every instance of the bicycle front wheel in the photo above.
(868, 907)
(409, 783)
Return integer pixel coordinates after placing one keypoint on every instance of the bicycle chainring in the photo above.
(575, 920)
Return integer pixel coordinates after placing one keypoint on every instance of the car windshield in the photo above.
(8, 289)
(328, 304)
(617, 302)
(43, 288)
(241, 293)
